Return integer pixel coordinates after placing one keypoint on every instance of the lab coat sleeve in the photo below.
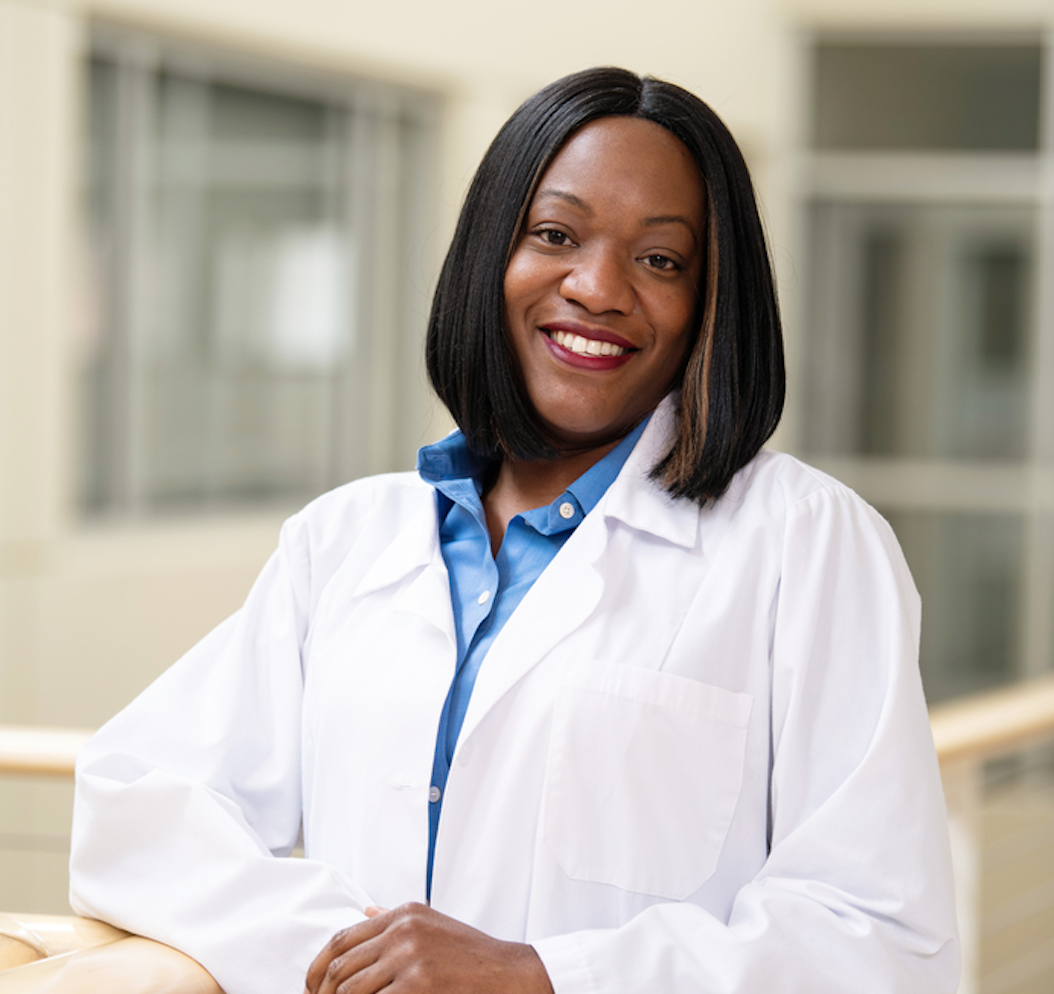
(856, 892)
(187, 800)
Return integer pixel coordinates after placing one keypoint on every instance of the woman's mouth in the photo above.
(580, 345)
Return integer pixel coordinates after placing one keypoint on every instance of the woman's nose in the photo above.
(599, 282)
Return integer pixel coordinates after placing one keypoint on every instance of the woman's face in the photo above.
(601, 287)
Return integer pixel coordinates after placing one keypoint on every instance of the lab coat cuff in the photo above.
(564, 959)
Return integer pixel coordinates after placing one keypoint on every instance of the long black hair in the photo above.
(732, 390)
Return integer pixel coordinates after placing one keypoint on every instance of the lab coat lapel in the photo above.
(558, 603)
(414, 561)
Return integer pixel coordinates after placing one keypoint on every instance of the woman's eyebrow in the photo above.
(568, 197)
(669, 219)
(656, 222)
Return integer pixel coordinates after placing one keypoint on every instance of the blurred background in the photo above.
(220, 221)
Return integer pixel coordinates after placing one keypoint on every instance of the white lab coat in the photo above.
(697, 757)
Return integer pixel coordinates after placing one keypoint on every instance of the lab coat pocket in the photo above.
(643, 775)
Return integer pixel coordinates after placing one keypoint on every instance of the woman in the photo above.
(632, 704)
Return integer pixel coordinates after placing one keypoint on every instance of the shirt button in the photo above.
(567, 510)
(434, 793)
(483, 598)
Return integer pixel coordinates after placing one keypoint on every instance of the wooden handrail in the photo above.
(47, 751)
(994, 722)
(989, 723)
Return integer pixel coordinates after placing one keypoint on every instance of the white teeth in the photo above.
(585, 346)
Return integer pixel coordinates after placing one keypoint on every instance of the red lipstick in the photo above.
(580, 360)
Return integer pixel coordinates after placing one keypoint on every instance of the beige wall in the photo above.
(89, 615)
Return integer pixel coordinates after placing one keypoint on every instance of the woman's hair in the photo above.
(731, 393)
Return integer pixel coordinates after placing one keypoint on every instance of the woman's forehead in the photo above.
(625, 158)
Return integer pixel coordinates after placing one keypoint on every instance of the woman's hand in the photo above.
(415, 950)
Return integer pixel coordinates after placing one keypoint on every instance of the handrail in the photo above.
(40, 751)
(131, 965)
(987, 723)
(994, 721)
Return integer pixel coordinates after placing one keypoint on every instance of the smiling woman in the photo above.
(732, 379)
(605, 698)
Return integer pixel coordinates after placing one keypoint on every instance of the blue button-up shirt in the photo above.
(486, 589)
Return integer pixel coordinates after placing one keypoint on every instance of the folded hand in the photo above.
(415, 950)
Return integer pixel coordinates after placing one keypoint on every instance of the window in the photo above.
(924, 96)
(257, 322)
(926, 323)
(921, 329)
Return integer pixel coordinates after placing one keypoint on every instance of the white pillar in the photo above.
(962, 793)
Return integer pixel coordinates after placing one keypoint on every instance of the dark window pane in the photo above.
(926, 97)
(997, 274)
(240, 114)
(883, 259)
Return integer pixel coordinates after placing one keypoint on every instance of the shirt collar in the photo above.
(457, 472)
(451, 459)
(594, 482)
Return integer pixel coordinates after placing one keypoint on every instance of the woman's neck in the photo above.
(521, 485)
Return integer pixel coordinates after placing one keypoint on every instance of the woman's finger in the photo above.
(358, 971)
(341, 944)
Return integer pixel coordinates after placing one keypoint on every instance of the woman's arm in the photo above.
(185, 799)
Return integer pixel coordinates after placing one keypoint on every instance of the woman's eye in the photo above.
(553, 236)
(660, 262)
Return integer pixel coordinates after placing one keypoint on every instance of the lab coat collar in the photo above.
(632, 499)
(415, 548)
(643, 504)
